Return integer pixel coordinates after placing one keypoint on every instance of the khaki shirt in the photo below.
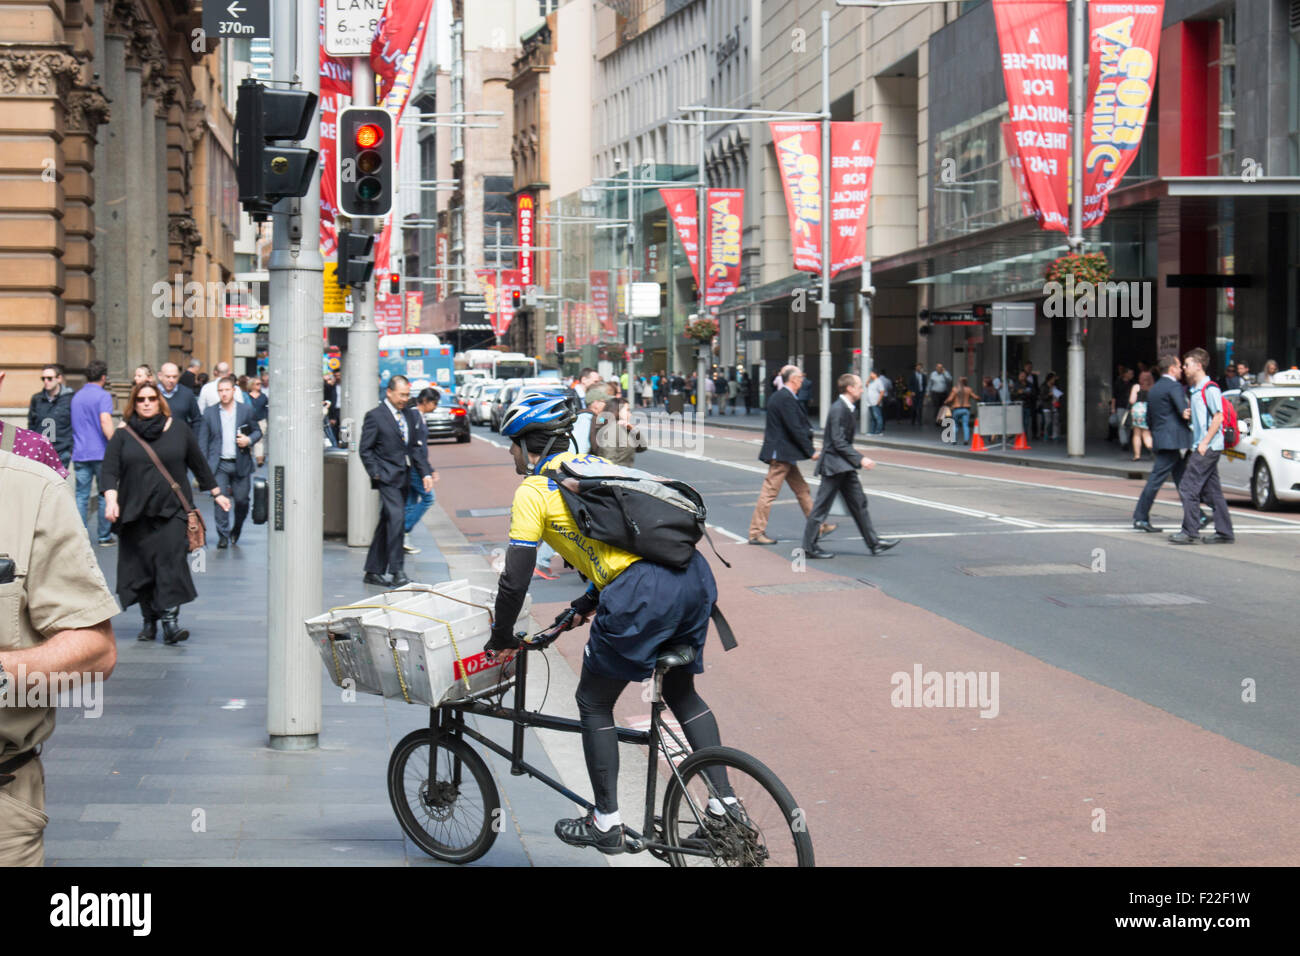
(57, 582)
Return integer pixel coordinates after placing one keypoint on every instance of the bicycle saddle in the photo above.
(675, 656)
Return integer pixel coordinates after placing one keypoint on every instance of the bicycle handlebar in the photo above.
(546, 636)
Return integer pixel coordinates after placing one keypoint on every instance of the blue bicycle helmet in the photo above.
(546, 412)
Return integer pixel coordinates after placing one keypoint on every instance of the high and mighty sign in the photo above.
(350, 26)
(240, 18)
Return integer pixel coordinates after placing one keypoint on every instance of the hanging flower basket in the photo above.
(702, 330)
(1090, 267)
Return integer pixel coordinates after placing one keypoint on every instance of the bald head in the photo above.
(168, 375)
(222, 369)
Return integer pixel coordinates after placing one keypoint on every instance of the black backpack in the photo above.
(655, 518)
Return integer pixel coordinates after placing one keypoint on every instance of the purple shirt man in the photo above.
(88, 441)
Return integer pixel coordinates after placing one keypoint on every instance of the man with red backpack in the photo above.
(1213, 420)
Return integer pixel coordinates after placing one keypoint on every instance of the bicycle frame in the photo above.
(449, 719)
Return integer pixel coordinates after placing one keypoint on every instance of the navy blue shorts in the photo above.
(645, 608)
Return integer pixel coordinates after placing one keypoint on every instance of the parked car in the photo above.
(480, 409)
(1266, 462)
(502, 400)
(448, 420)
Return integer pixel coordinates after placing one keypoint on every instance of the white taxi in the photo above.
(1266, 462)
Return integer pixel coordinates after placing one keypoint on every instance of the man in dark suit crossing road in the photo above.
(227, 433)
(838, 467)
(388, 451)
(1167, 412)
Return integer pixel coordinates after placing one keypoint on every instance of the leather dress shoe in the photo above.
(223, 542)
(234, 537)
(400, 579)
(1217, 538)
(1181, 538)
(376, 579)
(826, 529)
(883, 544)
(762, 539)
(1146, 526)
(816, 552)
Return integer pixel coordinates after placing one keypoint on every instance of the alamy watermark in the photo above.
(1101, 300)
(57, 689)
(957, 689)
(172, 299)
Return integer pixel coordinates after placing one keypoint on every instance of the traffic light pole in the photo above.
(293, 713)
(361, 381)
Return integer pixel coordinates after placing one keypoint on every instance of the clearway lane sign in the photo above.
(350, 26)
(231, 19)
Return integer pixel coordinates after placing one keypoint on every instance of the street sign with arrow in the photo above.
(237, 19)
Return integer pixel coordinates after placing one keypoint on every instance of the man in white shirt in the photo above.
(875, 394)
(208, 393)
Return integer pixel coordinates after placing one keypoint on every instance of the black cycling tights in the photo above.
(596, 696)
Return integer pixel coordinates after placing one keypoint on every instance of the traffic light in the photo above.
(355, 268)
(365, 166)
(559, 347)
(394, 283)
(515, 298)
(267, 172)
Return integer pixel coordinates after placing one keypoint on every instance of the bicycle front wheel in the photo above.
(445, 799)
(762, 826)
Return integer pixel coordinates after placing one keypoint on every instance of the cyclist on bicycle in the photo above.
(639, 607)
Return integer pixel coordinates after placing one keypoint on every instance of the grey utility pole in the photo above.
(362, 374)
(293, 711)
(702, 247)
(1074, 399)
(825, 308)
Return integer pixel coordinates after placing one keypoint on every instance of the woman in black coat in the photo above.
(147, 514)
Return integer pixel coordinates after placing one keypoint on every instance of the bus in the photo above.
(421, 357)
(499, 365)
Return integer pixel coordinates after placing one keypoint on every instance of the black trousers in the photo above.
(1201, 483)
(596, 698)
(236, 489)
(386, 553)
(1169, 463)
(846, 484)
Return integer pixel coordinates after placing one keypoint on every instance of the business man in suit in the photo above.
(916, 383)
(787, 440)
(182, 401)
(227, 433)
(1167, 413)
(388, 451)
(838, 469)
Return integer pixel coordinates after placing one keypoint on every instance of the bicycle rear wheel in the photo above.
(771, 830)
(445, 800)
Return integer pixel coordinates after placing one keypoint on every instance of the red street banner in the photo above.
(398, 29)
(388, 314)
(525, 216)
(681, 209)
(1124, 41)
(726, 213)
(599, 283)
(853, 165)
(798, 159)
(1034, 38)
(1027, 207)
(501, 310)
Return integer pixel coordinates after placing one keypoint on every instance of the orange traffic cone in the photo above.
(1021, 444)
(976, 439)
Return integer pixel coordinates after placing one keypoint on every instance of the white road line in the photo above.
(1245, 513)
(729, 534)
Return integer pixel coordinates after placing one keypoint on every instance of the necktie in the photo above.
(401, 423)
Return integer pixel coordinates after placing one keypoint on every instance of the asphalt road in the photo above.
(1147, 682)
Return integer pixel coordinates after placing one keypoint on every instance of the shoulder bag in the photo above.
(194, 528)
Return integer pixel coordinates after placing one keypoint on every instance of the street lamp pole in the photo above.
(1074, 400)
(294, 556)
(825, 308)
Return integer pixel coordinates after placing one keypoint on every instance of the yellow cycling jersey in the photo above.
(538, 514)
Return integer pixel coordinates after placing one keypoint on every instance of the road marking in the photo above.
(729, 534)
(1015, 481)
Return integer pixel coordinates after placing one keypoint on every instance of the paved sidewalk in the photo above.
(177, 770)
(1101, 457)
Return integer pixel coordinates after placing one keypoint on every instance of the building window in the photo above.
(1226, 63)
(971, 198)
(1293, 125)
